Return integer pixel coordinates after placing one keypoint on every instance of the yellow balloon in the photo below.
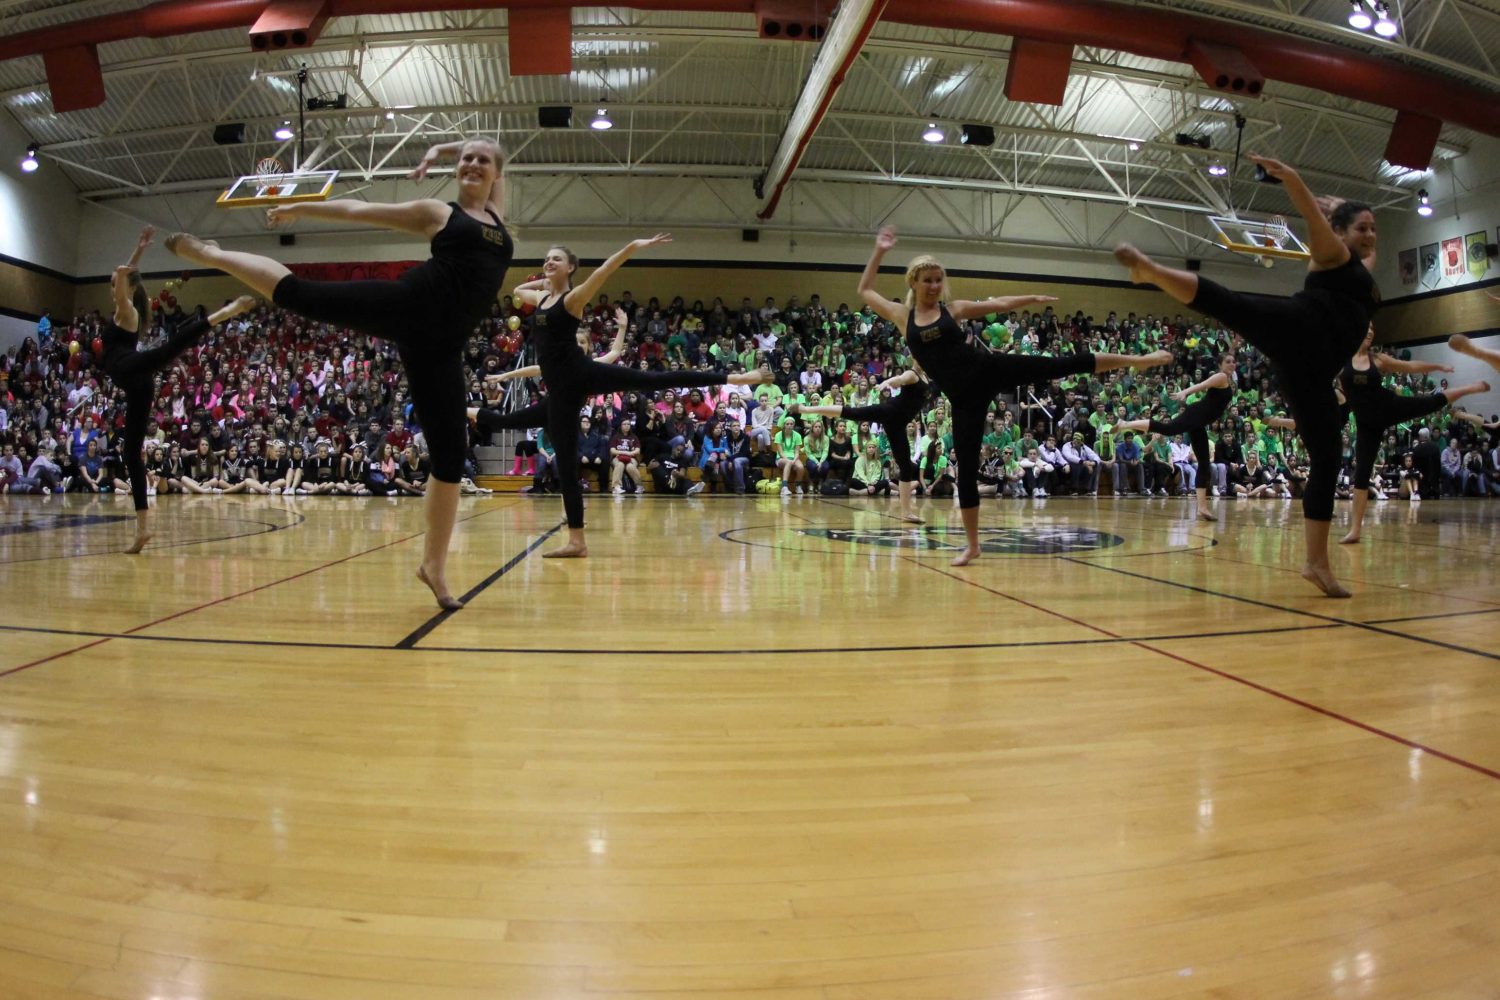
(74, 347)
(514, 322)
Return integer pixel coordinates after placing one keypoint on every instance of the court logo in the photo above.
(29, 522)
(999, 541)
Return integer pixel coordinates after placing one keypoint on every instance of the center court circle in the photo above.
(996, 541)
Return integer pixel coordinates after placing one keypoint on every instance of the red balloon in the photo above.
(170, 300)
(98, 347)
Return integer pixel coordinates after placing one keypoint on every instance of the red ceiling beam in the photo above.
(1143, 31)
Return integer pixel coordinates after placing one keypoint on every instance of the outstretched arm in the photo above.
(616, 346)
(585, 292)
(908, 377)
(1281, 423)
(125, 316)
(140, 247)
(1386, 363)
(884, 307)
(420, 218)
(965, 309)
(1328, 251)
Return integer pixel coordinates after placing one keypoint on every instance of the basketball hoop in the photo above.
(1278, 230)
(273, 170)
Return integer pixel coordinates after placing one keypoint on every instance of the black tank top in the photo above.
(1350, 281)
(1217, 400)
(554, 334)
(467, 267)
(939, 347)
(118, 343)
(1361, 388)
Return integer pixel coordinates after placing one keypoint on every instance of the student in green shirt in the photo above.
(787, 445)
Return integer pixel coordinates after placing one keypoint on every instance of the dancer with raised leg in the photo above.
(1377, 409)
(1463, 345)
(970, 376)
(428, 313)
(572, 377)
(893, 414)
(535, 415)
(1218, 391)
(1307, 337)
(134, 371)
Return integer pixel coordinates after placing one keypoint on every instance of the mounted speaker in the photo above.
(750, 235)
(793, 20)
(229, 134)
(1194, 264)
(555, 117)
(977, 135)
(288, 239)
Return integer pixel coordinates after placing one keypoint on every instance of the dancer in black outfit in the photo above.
(1307, 337)
(135, 371)
(1377, 409)
(893, 415)
(429, 312)
(968, 375)
(1194, 421)
(572, 377)
(535, 415)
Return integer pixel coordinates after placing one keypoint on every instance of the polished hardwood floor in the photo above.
(749, 748)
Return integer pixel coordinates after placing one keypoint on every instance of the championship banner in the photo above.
(1408, 266)
(1430, 269)
(1453, 258)
(1479, 262)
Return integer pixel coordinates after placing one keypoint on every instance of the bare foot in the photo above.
(573, 550)
(1204, 514)
(965, 557)
(1322, 578)
(139, 543)
(445, 600)
(912, 519)
(1139, 426)
(1138, 263)
(1154, 360)
(189, 247)
(1458, 342)
(1350, 539)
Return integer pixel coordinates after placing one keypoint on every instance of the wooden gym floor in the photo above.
(750, 748)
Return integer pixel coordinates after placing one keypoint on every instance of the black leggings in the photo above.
(894, 419)
(430, 344)
(525, 418)
(980, 382)
(1306, 344)
(1193, 422)
(1372, 417)
(134, 371)
(569, 386)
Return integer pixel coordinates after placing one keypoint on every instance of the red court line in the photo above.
(54, 656)
(1292, 699)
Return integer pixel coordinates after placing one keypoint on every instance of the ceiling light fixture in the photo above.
(1217, 169)
(1359, 18)
(29, 164)
(1384, 26)
(601, 122)
(285, 131)
(1424, 207)
(933, 133)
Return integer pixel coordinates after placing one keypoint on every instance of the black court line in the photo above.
(616, 651)
(1367, 626)
(425, 629)
(1226, 675)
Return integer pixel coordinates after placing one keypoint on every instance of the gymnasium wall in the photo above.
(1465, 197)
(1465, 371)
(39, 216)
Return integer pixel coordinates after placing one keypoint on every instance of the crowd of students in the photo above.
(273, 403)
